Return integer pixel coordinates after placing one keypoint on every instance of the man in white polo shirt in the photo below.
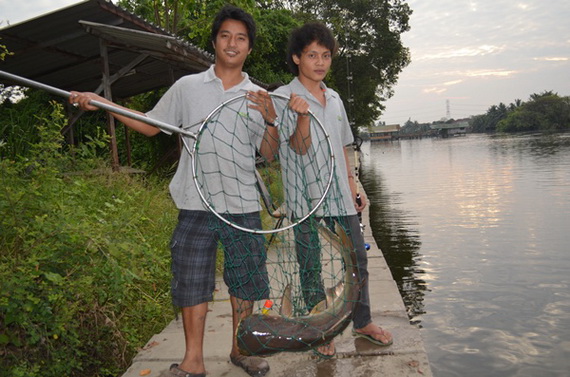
(194, 245)
(309, 56)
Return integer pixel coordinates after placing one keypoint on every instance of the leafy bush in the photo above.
(16, 123)
(84, 260)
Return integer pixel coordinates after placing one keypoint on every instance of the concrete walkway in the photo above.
(355, 356)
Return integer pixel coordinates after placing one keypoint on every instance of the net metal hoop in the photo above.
(192, 151)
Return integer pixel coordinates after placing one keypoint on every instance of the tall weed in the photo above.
(84, 260)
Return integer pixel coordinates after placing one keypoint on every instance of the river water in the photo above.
(476, 231)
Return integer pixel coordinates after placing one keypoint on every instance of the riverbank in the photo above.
(355, 356)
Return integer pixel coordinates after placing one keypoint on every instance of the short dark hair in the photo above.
(234, 13)
(304, 36)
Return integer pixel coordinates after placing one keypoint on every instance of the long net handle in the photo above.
(65, 94)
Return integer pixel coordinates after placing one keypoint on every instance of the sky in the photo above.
(466, 55)
(16, 11)
(470, 55)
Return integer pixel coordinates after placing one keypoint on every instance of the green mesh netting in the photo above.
(307, 269)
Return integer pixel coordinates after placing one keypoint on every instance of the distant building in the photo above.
(455, 128)
(383, 133)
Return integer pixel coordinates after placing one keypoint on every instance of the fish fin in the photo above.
(333, 293)
(344, 239)
(286, 309)
(330, 237)
(338, 239)
(320, 307)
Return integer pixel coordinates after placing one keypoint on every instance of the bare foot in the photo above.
(326, 350)
(374, 334)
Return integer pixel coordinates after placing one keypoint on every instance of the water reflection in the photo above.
(395, 235)
(536, 145)
(475, 232)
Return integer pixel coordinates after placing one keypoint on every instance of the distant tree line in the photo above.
(546, 111)
(543, 112)
(413, 127)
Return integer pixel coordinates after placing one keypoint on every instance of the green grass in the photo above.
(84, 261)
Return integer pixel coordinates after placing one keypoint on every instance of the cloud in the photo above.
(454, 52)
(454, 82)
(490, 73)
(552, 59)
(434, 90)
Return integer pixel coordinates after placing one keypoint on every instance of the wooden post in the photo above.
(108, 95)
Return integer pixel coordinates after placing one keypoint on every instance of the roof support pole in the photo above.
(106, 81)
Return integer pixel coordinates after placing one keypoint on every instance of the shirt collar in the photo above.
(299, 88)
(243, 85)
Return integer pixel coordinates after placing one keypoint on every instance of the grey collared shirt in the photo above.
(226, 157)
(303, 176)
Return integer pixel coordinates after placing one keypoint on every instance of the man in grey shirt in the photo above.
(194, 244)
(309, 56)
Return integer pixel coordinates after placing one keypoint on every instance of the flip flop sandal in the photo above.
(177, 372)
(253, 365)
(371, 339)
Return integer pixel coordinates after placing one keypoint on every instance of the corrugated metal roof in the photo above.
(62, 49)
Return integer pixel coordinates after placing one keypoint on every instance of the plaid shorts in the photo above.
(193, 248)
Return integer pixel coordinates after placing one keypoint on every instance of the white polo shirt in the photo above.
(303, 175)
(231, 149)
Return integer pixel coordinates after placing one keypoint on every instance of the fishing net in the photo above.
(303, 277)
(225, 162)
(303, 259)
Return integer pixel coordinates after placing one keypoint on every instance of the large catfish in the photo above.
(263, 335)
